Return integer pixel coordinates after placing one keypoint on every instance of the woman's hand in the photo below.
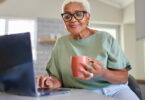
(44, 81)
(97, 70)
(114, 76)
(48, 82)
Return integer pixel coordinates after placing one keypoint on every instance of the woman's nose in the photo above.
(73, 19)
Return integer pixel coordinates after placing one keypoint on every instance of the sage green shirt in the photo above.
(100, 46)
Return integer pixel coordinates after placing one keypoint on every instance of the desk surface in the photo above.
(75, 94)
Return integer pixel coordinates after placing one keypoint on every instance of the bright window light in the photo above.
(2, 26)
(20, 26)
(109, 30)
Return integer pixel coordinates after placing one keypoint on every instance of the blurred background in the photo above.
(123, 19)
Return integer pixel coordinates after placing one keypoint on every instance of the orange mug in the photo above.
(76, 65)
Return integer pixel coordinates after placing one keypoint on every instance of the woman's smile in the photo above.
(74, 26)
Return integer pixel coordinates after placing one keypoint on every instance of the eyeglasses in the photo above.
(79, 15)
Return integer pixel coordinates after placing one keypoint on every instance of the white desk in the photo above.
(75, 94)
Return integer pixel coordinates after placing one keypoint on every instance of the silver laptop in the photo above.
(16, 67)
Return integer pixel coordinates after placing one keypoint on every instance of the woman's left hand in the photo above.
(96, 70)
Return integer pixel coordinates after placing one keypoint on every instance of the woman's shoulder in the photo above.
(104, 35)
(61, 39)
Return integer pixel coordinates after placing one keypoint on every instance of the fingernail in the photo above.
(82, 63)
(81, 70)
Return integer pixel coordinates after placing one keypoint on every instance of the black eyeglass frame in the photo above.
(73, 15)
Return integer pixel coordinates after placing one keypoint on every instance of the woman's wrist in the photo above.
(55, 82)
(104, 73)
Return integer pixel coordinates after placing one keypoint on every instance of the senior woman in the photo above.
(109, 65)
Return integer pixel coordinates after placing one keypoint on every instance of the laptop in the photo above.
(16, 67)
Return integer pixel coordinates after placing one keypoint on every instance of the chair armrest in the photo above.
(132, 83)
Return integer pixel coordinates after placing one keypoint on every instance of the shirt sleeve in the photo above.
(116, 57)
(52, 66)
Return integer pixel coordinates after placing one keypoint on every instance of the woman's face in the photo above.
(76, 26)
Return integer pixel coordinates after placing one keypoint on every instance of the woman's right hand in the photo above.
(44, 82)
(48, 82)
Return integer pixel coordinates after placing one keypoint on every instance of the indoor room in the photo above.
(123, 19)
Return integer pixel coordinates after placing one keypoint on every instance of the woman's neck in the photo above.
(86, 33)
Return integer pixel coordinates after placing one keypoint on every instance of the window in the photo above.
(2, 26)
(12, 26)
(112, 29)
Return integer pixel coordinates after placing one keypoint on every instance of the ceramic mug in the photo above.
(76, 65)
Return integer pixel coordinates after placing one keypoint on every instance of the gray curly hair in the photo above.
(85, 3)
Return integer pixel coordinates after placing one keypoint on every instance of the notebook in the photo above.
(16, 67)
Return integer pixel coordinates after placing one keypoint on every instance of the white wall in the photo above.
(31, 8)
(128, 36)
(52, 9)
(104, 13)
(140, 35)
(140, 59)
(134, 49)
(130, 45)
(129, 14)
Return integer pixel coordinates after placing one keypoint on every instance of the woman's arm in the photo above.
(116, 76)
(51, 82)
(113, 76)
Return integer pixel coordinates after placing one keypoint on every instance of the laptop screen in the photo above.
(16, 64)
